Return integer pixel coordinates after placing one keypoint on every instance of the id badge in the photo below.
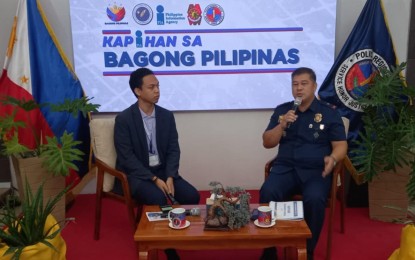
(154, 159)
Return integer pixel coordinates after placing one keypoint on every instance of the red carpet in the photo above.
(364, 238)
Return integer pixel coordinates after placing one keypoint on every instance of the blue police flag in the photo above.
(368, 49)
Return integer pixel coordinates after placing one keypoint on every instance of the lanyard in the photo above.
(149, 136)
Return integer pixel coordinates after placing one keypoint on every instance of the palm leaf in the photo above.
(387, 140)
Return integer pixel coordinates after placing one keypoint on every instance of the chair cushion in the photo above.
(346, 128)
(102, 141)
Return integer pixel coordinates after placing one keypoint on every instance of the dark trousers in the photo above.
(147, 192)
(314, 189)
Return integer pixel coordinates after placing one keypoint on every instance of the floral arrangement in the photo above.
(229, 208)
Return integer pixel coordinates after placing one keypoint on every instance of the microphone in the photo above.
(189, 212)
(297, 103)
(172, 199)
(193, 212)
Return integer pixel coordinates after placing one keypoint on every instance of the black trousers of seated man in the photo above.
(146, 192)
(314, 189)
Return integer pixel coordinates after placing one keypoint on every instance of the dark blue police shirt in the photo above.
(305, 143)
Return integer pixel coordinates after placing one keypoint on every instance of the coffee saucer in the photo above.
(185, 226)
(262, 226)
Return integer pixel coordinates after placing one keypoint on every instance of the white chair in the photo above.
(102, 142)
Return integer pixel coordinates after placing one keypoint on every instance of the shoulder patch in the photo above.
(285, 104)
(328, 104)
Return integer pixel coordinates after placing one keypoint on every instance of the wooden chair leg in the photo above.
(130, 205)
(330, 229)
(342, 199)
(131, 215)
(333, 199)
(100, 181)
(138, 214)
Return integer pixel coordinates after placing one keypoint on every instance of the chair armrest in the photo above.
(268, 167)
(357, 176)
(105, 168)
(102, 169)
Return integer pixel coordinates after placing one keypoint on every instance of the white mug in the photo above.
(177, 217)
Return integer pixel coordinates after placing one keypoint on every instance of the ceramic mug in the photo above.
(264, 216)
(177, 217)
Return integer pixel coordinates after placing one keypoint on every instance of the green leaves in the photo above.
(12, 146)
(75, 106)
(387, 140)
(238, 214)
(8, 124)
(21, 103)
(29, 228)
(59, 157)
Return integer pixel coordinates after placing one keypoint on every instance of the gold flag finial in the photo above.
(12, 39)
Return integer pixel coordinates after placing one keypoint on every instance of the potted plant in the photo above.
(228, 208)
(32, 232)
(385, 152)
(49, 159)
(406, 249)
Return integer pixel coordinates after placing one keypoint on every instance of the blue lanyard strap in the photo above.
(149, 137)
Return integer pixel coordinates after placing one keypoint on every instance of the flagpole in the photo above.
(12, 38)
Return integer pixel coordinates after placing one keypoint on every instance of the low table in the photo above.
(157, 235)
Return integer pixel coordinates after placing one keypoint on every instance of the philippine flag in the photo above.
(36, 68)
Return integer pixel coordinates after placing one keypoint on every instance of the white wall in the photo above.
(221, 145)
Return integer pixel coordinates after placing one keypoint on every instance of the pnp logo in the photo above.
(355, 75)
(194, 14)
(214, 14)
(115, 13)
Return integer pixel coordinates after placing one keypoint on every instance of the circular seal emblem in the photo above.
(115, 13)
(214, 14)
(142, 14)
(354, 75)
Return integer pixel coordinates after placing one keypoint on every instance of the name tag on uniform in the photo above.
(153, 159)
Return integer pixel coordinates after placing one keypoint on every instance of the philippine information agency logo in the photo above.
(142, 14)
(115, 13)
(354, 75)
(214, 14)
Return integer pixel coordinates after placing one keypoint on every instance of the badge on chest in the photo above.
(153, 159)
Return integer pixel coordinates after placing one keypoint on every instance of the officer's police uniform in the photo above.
(300, 161)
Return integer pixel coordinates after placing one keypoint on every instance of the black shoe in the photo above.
(171, 254)
(269, 253)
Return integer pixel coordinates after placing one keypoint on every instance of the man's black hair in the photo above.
(136, 78)
(304, 70)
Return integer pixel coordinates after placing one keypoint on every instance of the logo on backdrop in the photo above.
(165, 18)
(142, 14)
(194, 14)
(116, 13)
(214, 14)
(355, 74)
(160, 15)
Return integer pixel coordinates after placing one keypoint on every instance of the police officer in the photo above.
(311, 139)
